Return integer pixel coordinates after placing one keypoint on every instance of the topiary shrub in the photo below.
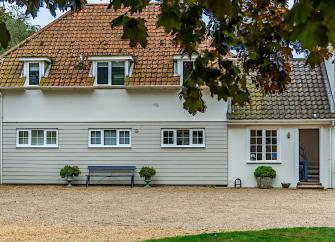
(69, 171)
(147, 172)
(264, 176)
(265, 171)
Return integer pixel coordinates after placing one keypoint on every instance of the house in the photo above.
(291, 131)
(75, 93)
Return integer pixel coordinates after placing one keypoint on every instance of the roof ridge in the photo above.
(15, 47)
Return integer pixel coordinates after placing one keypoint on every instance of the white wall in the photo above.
(102, 105)
(288, 168)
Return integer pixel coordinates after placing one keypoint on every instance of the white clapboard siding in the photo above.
(179, 166)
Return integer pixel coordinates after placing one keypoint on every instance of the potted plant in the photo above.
(68, 172)
(264, 176)
(285, 185)
(147, 173)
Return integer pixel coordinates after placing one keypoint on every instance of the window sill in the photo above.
(182, 146)
(32, 87)
(109, 147)
(37, 147)
(265, 162)
(109, 86)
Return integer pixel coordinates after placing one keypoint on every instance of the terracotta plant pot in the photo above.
(264, 182)
(285, 185)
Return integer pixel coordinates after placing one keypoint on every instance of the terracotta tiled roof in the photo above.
(88, 32)
(306, 97)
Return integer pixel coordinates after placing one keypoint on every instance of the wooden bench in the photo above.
(107, 171)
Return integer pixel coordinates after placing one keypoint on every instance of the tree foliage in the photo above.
(262, 33)
(18, 27)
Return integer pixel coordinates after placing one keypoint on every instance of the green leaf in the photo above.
(136, 31)
(313, 34)
(119, 20)
(4, 35)
(169, 18)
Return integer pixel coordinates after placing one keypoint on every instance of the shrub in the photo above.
(147, 171)
(265, 171)
(69, 171)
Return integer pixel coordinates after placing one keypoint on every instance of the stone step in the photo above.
(309, 185)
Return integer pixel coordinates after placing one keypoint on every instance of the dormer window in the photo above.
(183, 67)
(103, 73)
(111, 71)
(34, 74)
(34, 69)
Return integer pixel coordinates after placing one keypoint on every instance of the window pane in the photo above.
(259, 148)
(110, 137)
(187, 70)
(34, 73)
(168, 137)
(95, 137)
(183, 137)
(118, 72)
(124, 138)
(256, 145)
(268, 156)
(271, 145)
(259, 156)
(198, 138)
(51, 137)
(23, 137)
(102, 73)
(37, 137)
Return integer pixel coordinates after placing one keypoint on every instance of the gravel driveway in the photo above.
(109, 213)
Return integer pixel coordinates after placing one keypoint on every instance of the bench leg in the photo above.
(87, 180)
(132, 181)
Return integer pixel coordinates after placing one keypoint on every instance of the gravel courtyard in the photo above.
(111, 213)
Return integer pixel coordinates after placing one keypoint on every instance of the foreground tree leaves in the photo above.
(262, 34)
(134, 29)
(4, 35)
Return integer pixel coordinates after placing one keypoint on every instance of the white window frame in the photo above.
(264, 160)
(102, 139)
(178, 69)
(44, 67)
(191, 145)
(29, 145)
(128, 67)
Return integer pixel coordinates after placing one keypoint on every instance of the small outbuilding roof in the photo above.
(308, 96)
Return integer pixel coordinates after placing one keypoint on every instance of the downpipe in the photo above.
(1, 138)
(330, 158)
